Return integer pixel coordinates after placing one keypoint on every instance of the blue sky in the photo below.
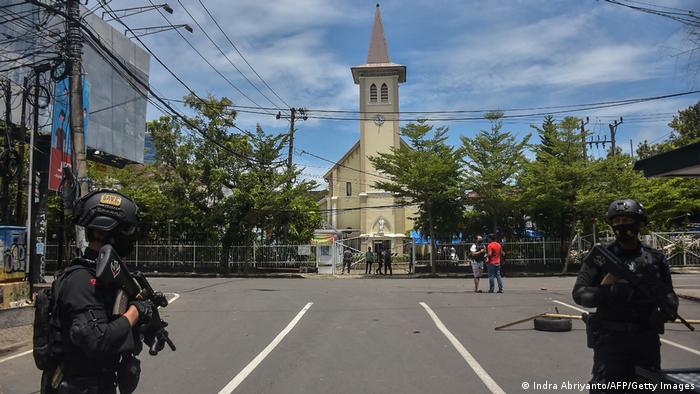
(460, 55)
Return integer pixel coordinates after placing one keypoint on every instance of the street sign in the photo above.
(304, 250)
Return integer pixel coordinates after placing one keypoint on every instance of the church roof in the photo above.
(378, 61)
(341, 162)
(378, 51)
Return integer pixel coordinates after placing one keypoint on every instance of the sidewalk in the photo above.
(14, 339)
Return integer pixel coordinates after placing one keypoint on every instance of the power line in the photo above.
(304, 152)
(106, 51)
(224, 54)
(196, 51)
(165, 102)
(686, 17)
(569, 107)
(241, 54)
(109, 10)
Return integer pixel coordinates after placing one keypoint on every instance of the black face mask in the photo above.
(627, 231)
(122, 245)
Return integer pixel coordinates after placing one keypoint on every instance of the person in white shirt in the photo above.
(478, 253)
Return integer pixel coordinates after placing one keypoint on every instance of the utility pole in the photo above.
(611, 141)
(292, 118)
(583, 135)
(74, 39)
(22, 136)
(613, 130)
(291, 139)
(8, 145)
(37, 196)
(631, 149)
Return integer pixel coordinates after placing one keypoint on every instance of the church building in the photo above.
(352, 199)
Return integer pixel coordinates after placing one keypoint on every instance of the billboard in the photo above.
(118, 105)
(61, 142)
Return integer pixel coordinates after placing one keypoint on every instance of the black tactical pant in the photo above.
(617, 353)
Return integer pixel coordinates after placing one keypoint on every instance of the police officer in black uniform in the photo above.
(624, 330)
(99, 348)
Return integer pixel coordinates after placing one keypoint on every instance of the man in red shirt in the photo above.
(495, 252)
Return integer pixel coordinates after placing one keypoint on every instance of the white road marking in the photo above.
(15, 356)
(231, 386)
(666, 341)
(478, 369)
(176, 296)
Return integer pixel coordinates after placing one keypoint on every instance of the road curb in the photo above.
(689, 297)
(197, 275)
(15, 317)
(13, 347)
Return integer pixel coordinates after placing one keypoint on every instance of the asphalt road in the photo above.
(366, 336)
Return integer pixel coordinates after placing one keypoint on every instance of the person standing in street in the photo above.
(478, 255)
(347, 259)
(624, 330)
(387, 262)
(369, 259)
(495, 253)
(380, 259)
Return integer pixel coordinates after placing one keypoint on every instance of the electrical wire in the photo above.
(224, 54)
(569, 108)
(164, 102)
(199, 53)
(304, 152)
(241, 54)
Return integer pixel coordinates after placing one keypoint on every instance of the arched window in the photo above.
(373, 93)
(385, 93)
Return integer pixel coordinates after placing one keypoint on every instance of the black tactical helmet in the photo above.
(626, 207)
(109, 211)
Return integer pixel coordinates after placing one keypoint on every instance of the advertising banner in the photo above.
(61, 142)
(13, 249)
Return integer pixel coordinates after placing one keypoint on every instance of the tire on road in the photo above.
(552, 324)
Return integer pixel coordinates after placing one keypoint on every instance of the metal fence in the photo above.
(681, 248)
(207, 258)
(538, 255)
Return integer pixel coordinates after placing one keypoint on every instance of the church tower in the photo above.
(378, 80)
(378, 223)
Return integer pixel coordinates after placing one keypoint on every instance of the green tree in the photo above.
(234, 198)
(549, 185)
(686, 130)
(426, 173)
(493, 158)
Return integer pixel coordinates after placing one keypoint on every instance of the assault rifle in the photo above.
(110, 269)
(651, 289)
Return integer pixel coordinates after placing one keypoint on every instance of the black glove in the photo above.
(145, 309)
(618, 292)
(669, 306)
(153, 325)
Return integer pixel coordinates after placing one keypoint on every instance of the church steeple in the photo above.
(378, 61)
(378, 51)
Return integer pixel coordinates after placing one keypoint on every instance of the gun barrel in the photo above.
(685, 323)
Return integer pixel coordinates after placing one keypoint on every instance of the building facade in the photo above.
(353, 205)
